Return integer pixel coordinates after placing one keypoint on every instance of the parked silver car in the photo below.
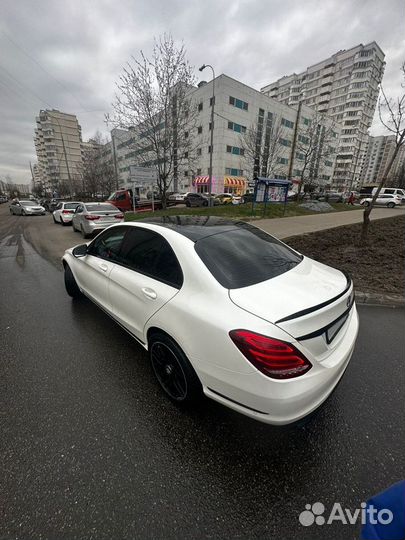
(26, 208)
(94, 217)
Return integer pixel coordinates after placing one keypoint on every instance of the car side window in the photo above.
(389, 191)
(79, 209)
(149, 253)
(108, 244)
(120, 197)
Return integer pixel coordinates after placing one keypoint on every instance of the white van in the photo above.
(391, 191)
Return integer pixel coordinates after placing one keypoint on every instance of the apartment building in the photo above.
(379, 152)
(344, 86)
(58, 144)
(239, 110)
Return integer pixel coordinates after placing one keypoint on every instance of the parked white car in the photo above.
(26, 208)
(93, 217)
(224, 309)
(383, 200)
(64, 212)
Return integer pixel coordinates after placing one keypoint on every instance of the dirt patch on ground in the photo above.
(376, 268)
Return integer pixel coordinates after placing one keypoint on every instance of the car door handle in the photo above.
(103, 267)
(149, 293)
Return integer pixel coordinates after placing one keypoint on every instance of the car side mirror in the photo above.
(80, 251)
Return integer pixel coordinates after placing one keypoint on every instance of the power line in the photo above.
(41, 66)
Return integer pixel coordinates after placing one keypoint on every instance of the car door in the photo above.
(57, 211)
(146, 278)
(76, 216)
(93, 270)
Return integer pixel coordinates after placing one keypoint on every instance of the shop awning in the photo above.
(238, 181)
(198, 180)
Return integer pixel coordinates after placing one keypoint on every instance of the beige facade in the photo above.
(58, 143)
(345, 86)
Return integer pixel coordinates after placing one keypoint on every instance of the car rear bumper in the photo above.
(281, 402)
(91, 227)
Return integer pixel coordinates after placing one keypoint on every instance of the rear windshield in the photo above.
(101, 208)
(71, 206)
(245, 256)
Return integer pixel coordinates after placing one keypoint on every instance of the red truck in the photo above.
(123, 199)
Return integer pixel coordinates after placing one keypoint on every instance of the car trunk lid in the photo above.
(305, 301)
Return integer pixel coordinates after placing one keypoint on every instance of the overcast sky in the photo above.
(67, 54)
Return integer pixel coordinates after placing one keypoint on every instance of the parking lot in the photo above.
(90, 448)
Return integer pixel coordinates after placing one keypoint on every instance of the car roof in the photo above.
(196, 227)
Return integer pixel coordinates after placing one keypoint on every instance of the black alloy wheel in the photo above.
(391, 205)
(173, 371)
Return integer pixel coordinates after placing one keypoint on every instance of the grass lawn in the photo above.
(242, 211)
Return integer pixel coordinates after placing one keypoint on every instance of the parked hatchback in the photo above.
(224, 309)
(90, 218)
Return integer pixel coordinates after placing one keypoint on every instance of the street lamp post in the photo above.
(212, 129)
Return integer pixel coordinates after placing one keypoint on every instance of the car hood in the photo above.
(300, 301)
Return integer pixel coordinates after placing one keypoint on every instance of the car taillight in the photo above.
(275, 358)
(67, 211)
(119, 216)
(91, 217)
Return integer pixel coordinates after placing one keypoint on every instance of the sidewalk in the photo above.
(293, 226)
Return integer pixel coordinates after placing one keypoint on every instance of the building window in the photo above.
(199, 130)
(238, 103)
(285, 142)
(235, 150)
(186, 135)
(200, 106)
(212, 99)
(236, 127)
(210, 126)
(328, 163)
(300, 156)
(198, 172)
(287, 123)
(233, 172)
(185, 173)
(210, 149)
(282, 160)
(302, 138)
(186, 154)
(306, 121)
(199, 152)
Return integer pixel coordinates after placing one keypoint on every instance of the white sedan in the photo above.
(64, 211)
(224, 309)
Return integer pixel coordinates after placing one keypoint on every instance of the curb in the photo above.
(392, 300)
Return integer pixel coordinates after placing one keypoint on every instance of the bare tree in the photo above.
(98, 175)
(261, 147)
(392, 117)
(313, 147)
(154, 99)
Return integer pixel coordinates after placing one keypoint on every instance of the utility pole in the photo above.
(115, 160)
(294, 142)
(210, 202)
(67, 165)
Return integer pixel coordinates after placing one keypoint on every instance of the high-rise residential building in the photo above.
(344, 86)
(58, 142)
(379, 152)
(239, 111)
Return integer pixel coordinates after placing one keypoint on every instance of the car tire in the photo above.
(188, 204)
(205, 203)
(23, 213)
(173, 371)
(11, 212)
(366, 203)
(54, 220)
(70, 283)
(391, 205)
(85, 235)
(62, 222)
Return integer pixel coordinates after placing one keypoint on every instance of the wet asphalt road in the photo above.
(90, 448)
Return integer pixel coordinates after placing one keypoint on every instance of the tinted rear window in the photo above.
(101, 208)
(71, 206)
(245, 256)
